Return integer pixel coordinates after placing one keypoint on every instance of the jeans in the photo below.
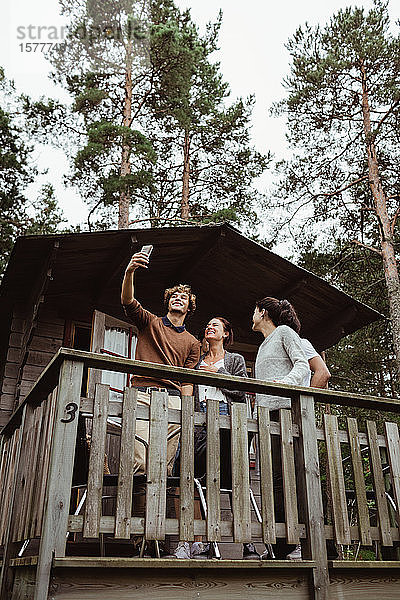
(224, 449)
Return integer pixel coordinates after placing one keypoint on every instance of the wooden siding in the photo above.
(31, 347)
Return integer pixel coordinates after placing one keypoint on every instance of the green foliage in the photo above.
(324, 190)
(47, 216)
(18, 215)
(364, 361)
(161, 72)
(88, 100)
(326, 180)
(196, 124)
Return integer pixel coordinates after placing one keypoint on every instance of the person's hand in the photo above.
(140, 259)
(209, 368)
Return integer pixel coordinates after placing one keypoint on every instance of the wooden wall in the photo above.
(32, 344)
(9, 383)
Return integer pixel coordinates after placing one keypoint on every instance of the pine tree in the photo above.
(204, 141)
(343, 109)
(104, 65)
(364, 361)
(18, 215)
(149, 129)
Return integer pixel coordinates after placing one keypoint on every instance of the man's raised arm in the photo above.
(127, 292)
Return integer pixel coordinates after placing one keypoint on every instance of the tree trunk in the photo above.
(385, 227)
(186, 177)
(124, 199)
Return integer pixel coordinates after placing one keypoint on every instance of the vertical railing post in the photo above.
(59, 482)
(310, 494)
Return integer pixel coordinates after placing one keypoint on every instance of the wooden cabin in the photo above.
(67, 351)
(64, 290)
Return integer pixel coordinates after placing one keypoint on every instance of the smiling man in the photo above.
(162, 340)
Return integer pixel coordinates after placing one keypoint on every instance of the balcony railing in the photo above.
(37, 453)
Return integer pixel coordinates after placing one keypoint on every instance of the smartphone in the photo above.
(147, 250)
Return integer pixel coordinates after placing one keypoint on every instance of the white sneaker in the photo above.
(182, 550)
(200, 550)
(295, 554)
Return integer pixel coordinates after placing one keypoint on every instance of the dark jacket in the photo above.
(234, 365)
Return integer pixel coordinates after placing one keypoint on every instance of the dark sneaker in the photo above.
(250, 552)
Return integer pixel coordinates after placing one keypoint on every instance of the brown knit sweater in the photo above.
(158, 343)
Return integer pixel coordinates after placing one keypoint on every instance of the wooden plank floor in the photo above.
(165, 563)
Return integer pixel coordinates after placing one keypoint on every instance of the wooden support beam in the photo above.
(240, 474)
(393, 448)
(96, 343)
(310, 495)
(359, 482)
(186, 505)
(6, 573)
(126, 464)
(96, 462)
(336, 480)
(156, 485)
(379, 485)
(289, 478)
(62, 452)
(266, 476)
(213, 472)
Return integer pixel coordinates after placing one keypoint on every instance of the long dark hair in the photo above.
(281, 312)
(227, 329)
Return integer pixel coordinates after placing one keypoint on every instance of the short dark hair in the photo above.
(281, 312)
(181, 287)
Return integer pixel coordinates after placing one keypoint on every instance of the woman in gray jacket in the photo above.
(218, 336)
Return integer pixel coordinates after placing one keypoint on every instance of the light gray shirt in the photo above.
(310, 353)
(281, 358)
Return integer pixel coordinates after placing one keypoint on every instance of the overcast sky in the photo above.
(252, 55)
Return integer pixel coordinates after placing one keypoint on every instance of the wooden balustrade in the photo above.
(37, 450)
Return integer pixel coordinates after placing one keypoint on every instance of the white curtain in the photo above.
(117, 341)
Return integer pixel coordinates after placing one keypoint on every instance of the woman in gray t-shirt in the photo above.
(280, 356)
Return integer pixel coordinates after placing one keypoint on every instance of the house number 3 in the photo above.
(70, 409)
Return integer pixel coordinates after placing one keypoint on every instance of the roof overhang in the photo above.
(227, 271)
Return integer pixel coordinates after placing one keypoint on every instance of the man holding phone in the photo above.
(162, 340)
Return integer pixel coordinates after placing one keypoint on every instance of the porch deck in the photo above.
(36, 471)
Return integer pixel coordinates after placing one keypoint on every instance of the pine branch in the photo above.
(393, 222)
(373, 284)
(329, 194)
(367, 247)
(395, 103)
